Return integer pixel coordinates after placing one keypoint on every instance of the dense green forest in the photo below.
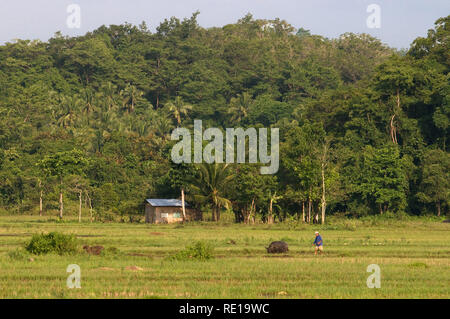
(363, 127)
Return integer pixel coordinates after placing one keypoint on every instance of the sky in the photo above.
(400, 21)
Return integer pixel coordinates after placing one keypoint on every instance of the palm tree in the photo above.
(108, 92)
(70, 107)
(130, 96)
(239, 107)
(85, 136)
(210, 185)
(299, 113)
(273, 199)
(89, 97)
(142, 128)
(162, 125)
(108, 119)
(178, 108)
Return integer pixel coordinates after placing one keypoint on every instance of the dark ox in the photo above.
(277, 247)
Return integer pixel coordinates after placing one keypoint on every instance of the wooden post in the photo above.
(270, 218)
(79, 211)
(90, 204)
(324, 202)
(61, 205)
(40, 204)
(309, 211)
(182, 205)
(61, 208)
(303, 211)
(253, 212)
(40, 198)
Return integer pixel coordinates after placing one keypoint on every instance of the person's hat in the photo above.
(316, 232)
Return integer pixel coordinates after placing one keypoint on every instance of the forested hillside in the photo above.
(88, 120)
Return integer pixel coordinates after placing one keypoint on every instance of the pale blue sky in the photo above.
(401, 20)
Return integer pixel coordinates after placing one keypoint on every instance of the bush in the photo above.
(198, 251)
(18, 254)
(53, 242)
(105, 216)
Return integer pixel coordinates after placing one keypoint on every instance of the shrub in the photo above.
(18, 254)
(198, 251)
(105, 216)
(53, 242)
(350, 225)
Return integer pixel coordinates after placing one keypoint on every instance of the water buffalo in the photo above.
(277, 247)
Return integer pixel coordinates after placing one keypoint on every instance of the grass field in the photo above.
(414, 257)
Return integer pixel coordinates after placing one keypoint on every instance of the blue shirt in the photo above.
(318, 241)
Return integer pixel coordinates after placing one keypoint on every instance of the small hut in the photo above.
(165, 211)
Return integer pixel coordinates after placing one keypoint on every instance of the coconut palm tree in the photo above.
(130, 95)
(239, 107)
(89, 101)
(69, 114)
(209, 186)
(108, 92)
(178, 108)
(162, 125)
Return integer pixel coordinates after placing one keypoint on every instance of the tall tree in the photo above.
(435, 184)
(130, 95)
(61, 165)
(210, 185)
(178, 108)
(382, 178)
(239, 107)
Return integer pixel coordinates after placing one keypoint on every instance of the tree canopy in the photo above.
(102, 106)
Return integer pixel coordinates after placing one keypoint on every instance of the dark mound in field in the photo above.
(446, 221)
(93, 250)
(277, 247)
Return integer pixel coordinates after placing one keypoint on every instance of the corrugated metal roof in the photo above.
(158, 202)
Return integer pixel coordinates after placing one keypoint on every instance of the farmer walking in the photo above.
(318, 242)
